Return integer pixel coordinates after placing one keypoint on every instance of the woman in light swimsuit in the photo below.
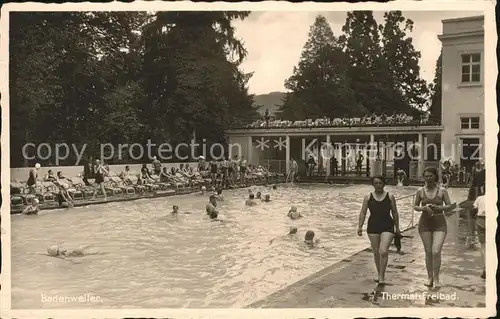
(432, 225)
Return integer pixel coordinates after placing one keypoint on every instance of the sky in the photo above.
(274, 41)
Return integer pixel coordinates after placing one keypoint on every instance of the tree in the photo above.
(319, 85)
(368, 71)
(435, 89)
(125, 77)
(192, 77)
(402, 58)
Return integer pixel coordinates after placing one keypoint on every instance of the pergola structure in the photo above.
(261, 144)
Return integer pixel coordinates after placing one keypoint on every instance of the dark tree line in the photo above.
(370, 68)
(128, 77)
(124, 77)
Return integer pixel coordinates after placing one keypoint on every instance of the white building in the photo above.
(463, 89)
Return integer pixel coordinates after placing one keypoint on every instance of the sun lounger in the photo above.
(120, 183)
(78, 184)
(111, 188)
(161, 185)
(138, 188)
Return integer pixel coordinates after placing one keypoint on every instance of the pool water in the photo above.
(145, 258)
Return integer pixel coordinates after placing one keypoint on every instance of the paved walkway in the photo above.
(349, 283)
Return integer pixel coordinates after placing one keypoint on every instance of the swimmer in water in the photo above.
(291, 232)
(275, 187)
(259, 195)
(175, 211)
(219, 195)
(56, 251)
(293, 213)
(267, 198)
(32, 208)
(309, 239)
(251, 200)
(211, 206)
(203, 190)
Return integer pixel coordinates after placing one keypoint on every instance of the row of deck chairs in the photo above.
(48, 192)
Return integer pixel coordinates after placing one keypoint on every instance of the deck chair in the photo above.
(50, 191)
(111, 188)
(161, 185)
(138, 188)
(120, 183)
(78, 184)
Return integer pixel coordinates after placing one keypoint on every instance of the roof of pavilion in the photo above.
(379, 123)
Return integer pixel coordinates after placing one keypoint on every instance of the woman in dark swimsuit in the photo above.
(100, 171)
(432, 224)
(213, 171)
(33, 178)
(381, 225)
(478, 180)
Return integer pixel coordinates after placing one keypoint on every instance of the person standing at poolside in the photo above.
(480, 216)
(478, 179)
(211, 207)
(432, 225)
(243, 170)
(156, 166)
(100, 172)
(381, 225)
(294, 168)
(33, 179)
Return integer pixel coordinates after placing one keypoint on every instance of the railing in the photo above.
(275, 166)
(411, 224)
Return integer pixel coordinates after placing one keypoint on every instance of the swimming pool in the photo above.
(150, 260)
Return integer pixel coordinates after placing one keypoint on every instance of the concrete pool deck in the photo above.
(349, 283)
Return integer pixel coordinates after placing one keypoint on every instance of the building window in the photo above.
(471, 68)
(469, 122)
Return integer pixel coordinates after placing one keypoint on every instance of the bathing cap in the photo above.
(35, 201)
(309, 235)
(37, 165)
(53, 250)
(203, 188)
(294, 214)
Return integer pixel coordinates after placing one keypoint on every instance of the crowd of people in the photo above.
(97, 179)
(369, 120)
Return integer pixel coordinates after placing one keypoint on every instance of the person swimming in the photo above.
(219, 195)
(293, 213)
(56, 251)
(203, 190)
(309, 239)
(275, 187)
(267, 198)
(292, 231)
(175, 211)
(259, 195)
(251, 200)
(32, 208)
(211, 206)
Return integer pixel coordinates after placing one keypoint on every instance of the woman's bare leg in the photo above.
(375, 243)
(427, 241)
(385, 242)
(437, 244)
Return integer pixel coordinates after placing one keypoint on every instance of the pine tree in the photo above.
(319, 85)
(402, 60)
(435, 89)
(368, 71)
